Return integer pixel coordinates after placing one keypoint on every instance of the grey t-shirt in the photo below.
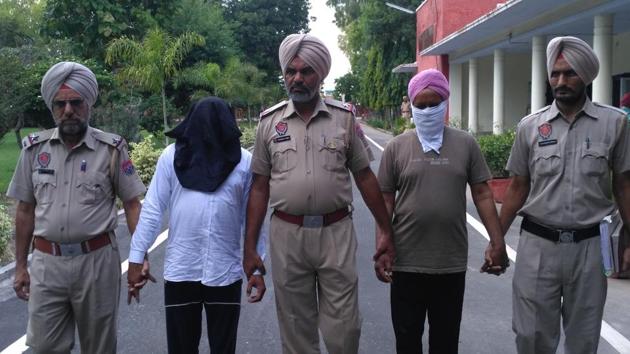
(430, 210)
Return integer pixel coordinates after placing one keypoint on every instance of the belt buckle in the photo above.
(566, 236)
(70, 249)
(313, 221)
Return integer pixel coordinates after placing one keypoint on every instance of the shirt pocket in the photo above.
(44, 187)
(332, 152)
(93, 187)
(284, 156)
(594, 161)
(547, 161)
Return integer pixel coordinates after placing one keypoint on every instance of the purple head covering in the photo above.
(431, 79)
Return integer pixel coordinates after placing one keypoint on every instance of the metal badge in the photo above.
(566, 237)
(313, 221)
(70, 249)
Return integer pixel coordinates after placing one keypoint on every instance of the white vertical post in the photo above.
(602, 45)
(539, 73)
(473, 124)
(455, 100)
(497, 91)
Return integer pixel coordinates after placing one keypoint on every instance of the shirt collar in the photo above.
(290, 111)
(587, 109)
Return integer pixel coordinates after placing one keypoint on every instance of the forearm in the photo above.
(24, 226)
(370, 191)
(484, 202)
(621, 190)
(132, 209)
(256, 211)
(513, 201)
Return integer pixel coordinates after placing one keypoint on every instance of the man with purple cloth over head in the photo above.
(423, 177)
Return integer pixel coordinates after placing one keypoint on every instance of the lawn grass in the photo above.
(9, 153)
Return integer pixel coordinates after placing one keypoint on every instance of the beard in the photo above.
(566, 95)
(73, 127)
(301, 97)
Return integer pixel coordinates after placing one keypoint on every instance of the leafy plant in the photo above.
(496, 150)
(248, 136)
(6, 231)
(145, 155)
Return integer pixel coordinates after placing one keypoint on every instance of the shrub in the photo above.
(400, 125)
(378, 123)
(496, 150)
(248, 135)
(145, 155)
(6, 231)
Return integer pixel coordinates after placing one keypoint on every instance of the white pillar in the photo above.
(455, 100)
(473, 124)
(602, 45)
(497, 91)
(539, 73)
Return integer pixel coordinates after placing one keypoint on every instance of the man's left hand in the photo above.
(137, 277)
(257, 282)
(625, 266)
(384, 258)
(495, 259)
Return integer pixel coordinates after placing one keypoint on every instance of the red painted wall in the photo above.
(437, 19)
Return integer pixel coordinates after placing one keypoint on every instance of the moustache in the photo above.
(564, 88)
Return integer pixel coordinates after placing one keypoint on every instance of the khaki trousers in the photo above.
(85, 290)
(316, 285)
(553, 281)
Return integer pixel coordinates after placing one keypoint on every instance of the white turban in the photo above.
(309, 48)
(577, 53)
(74, 75)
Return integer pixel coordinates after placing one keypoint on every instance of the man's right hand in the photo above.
(253, 262)
(22, 283)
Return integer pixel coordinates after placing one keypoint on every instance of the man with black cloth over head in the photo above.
(203, 179)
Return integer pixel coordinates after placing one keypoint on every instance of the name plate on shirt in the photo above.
(548, 142)
(282, 138)
(45, 171)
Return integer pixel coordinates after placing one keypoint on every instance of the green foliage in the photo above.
(248, 136)
(145, 155)
(347, 85)
(6, 231)
(377, 39)
(260, 26)
(400, 125)
(19, 22)
(118, 113)
(151, 113)
(496, 150)
(378, 123)
(91, 24)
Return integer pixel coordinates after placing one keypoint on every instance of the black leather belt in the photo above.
(559, 235)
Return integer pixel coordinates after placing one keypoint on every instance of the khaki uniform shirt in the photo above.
(430, 213)
(309, 164)
(74, 189)
(569, 164)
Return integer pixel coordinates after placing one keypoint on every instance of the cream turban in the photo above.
(309, 48)
(577, 53)
(76, 76)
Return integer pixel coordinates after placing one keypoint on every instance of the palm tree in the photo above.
(151, 63)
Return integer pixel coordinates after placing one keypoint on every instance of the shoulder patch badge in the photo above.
(127, 167)
(282, 128)
(544, 131)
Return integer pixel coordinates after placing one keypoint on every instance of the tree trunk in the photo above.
(249, 115)
(164, 114)
(18, 126)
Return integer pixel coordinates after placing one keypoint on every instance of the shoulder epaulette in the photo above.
(335, 103)
(270, 110)
(621, 111)
(36, 138)
(111, 139)
(534, 114)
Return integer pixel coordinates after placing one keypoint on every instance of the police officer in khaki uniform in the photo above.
(304, 153)
(66, 182)
(562, 160)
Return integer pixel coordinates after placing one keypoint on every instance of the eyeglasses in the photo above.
(60, 104)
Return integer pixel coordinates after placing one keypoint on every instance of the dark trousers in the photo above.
(415, 296)
(184, 302)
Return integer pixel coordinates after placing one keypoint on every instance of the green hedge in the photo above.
(496, 150)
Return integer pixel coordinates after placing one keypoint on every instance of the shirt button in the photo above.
(66, 183)
(308, 172)
(62, 228)
(63, 205)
